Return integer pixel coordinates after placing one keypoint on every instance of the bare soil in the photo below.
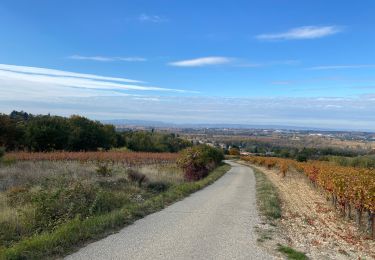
(310, 224)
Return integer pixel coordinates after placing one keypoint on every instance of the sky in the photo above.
(271, 62)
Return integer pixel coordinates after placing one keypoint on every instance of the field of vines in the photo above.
(352, 190)
(129, 158)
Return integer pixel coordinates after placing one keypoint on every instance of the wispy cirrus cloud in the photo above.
(61, 73)
(302, 33)
(151, 18)
(203, 61)
(106, 59)
(335, 67)
(40, 80)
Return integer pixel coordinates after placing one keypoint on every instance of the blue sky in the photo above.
(305, 63)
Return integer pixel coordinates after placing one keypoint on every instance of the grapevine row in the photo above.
(130, 158)
(348, 186)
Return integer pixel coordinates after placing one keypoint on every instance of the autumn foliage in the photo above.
(129, 158)
(198, 161)
(234, 151)
(349, 184)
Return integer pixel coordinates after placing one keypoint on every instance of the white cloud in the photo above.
(47, 83)
(150, 18)
(334, 67)
(300, 33)
(204, 61)
(78, 82)
(235, 62)
(106, 59)
(53, 72)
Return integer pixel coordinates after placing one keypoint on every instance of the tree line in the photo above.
(298, 153)
(23, 131)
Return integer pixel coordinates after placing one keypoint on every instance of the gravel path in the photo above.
(214, 223)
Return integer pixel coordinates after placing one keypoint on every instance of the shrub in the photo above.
(113, 184)
(2, 152)
(234, 151)
(103, 170)
(105, 202)
(197, 161)
(138, 177)
(18, 195)
(54, 207)
(158, 186)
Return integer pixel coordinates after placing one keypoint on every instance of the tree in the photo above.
(11, 132)
(90, 135)
(47, 133)
(154, 142)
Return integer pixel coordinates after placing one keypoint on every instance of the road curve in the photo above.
(214, 223)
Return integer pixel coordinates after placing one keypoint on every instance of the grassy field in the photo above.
(48, 207)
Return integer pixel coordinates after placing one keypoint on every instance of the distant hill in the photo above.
(160, 124)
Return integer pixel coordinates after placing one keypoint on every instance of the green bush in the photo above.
(54, 207)
(198, 161)
(158, 186)
(106, 201)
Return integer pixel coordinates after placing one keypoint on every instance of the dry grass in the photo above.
(166, 173)
(29, 173)
(117, 202)
(21, 182)
(310, 224)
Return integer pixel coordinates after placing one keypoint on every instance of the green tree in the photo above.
(90, 135)
(47, 133)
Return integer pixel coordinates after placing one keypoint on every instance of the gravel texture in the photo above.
(214, 223)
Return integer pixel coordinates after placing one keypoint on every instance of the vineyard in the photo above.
(350, 189)
(129, 158)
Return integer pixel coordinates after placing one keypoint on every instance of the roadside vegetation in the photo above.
(268, 200)
(291, 253)
(269, 206)
(198, 161)
(51, 203)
